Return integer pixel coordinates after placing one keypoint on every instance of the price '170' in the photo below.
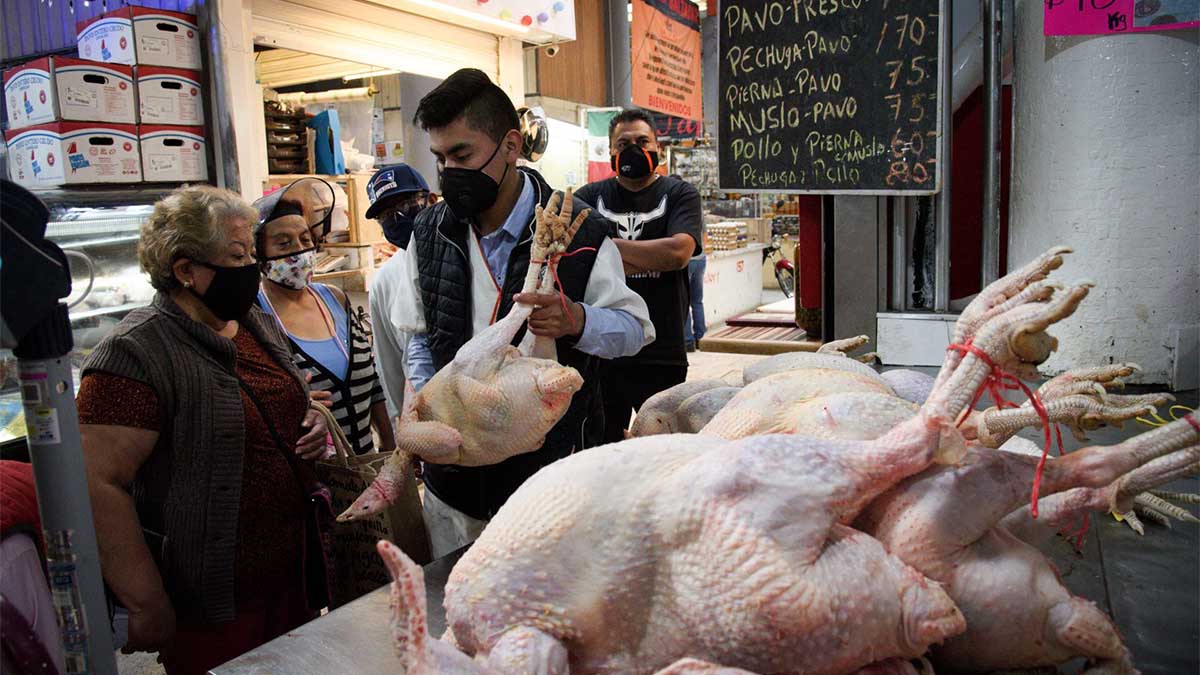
(908, 29)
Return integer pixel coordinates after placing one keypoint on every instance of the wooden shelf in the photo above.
(323, 176)
(353, 280)
(347, 244)
(340, 274)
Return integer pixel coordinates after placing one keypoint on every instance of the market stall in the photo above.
(340, 84)
(701, 549)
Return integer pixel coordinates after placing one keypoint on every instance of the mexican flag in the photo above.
(596, 121)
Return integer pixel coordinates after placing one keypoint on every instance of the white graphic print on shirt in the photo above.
(629, 225)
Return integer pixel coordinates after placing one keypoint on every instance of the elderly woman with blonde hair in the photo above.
(198, 437)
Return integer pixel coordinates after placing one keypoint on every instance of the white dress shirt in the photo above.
(390, 340)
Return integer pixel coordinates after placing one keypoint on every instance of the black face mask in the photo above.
(635, 162)
(470, 191)
(232, 290)
(398, 225)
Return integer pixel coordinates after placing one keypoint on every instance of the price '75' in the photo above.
(916, 107)
(916, 72)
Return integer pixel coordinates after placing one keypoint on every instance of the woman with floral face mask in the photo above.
(328, 339)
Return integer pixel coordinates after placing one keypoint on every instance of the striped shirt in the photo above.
(360, 389)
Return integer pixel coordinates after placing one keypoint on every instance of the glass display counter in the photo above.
(104, 225)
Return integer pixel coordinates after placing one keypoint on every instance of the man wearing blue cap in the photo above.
(397, 193)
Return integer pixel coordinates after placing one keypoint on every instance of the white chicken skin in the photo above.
(493, 401)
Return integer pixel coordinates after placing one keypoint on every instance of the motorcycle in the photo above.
(785, 271)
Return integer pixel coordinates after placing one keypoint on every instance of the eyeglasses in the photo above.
(407, 204)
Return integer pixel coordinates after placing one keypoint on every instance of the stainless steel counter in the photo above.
(352, 639)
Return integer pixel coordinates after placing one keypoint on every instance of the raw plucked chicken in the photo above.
(966, 527)
(830, 355)
(698, 554)
(631, 556)
(493, 401)
(690, 406)
(943, 520)
(660, 414)
(696, 411)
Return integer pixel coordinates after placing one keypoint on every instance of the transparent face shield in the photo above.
(315, 198)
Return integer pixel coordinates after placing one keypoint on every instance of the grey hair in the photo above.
(188, 223)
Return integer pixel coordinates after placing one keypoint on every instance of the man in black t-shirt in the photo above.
(656, 227)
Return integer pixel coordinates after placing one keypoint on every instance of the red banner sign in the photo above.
(677, 128)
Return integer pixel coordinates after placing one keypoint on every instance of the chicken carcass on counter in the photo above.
(818, 523)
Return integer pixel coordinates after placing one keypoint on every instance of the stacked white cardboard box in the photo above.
(129, 110)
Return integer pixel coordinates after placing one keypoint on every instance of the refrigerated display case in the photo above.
(103, 225)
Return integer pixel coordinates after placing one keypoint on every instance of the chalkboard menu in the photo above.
(830, 96)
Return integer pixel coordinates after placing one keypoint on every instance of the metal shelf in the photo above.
(87, 215)
(87, 243)
(105, 195)
(103, 311)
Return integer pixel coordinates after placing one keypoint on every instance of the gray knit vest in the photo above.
(190, 488)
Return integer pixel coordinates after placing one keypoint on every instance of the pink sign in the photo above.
(1104, 17)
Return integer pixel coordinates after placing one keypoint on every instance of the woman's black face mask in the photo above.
(232, 291)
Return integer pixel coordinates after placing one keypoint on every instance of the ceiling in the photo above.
(284, 67)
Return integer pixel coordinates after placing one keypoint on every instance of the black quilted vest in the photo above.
(445, 283)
